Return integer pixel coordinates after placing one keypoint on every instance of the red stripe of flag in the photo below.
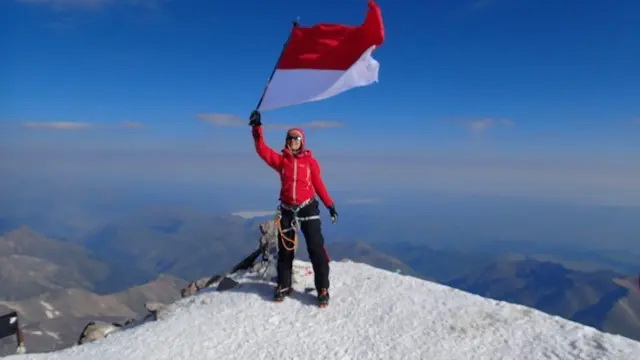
(332, 46)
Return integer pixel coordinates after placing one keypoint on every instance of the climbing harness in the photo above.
(295, 223)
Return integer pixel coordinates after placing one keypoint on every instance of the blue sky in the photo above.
(517, 98)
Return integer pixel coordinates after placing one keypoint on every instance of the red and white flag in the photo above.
(325, 60)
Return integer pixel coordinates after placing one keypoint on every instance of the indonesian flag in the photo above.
(325, 60)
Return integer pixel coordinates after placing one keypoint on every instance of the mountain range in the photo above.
(31, 264)
(373, 313)
(185, 245)
(54, 320)
(592, 298)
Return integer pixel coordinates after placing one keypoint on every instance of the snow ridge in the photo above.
(374, 314)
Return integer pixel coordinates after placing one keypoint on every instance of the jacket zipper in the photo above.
(295, 176)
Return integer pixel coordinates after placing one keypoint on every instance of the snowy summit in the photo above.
(373, 314)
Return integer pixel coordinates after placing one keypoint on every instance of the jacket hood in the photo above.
(303, 148)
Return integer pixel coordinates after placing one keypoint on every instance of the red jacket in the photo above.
(300, 177)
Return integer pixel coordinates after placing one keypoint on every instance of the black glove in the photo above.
(254, 118)
(333, 213)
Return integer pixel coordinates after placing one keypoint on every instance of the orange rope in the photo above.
(285, 238)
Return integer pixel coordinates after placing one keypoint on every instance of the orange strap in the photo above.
(284, 238)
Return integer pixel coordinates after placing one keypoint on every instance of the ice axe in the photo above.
(9, 325)
(267, 241)
(226, 282)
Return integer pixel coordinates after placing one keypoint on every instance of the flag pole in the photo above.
(295, 24)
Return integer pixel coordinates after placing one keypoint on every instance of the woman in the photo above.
(300, 181)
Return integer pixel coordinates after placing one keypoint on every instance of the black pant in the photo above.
(311, 229)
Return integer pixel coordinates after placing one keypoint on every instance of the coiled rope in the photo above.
(295, 223)
(284, 239)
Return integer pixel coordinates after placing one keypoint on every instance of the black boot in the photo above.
(323, 297)
(281, 292)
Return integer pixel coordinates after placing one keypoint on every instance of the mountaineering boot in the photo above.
(281, 292)
(323, 297)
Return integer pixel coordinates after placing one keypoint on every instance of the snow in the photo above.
(40, 333)
(49, 310)
(374, 314)
(53, 335)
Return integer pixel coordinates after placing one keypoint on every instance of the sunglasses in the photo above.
(296, 137)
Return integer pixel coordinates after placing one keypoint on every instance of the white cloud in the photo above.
(71, 2)
(58, 125)
(307, 125)
(588, 176)
(77, 125)
(323, 124)
(95, 4)
(250, 214)
(60, 4)
(221, 119)
(277, 126)
(481, 125)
